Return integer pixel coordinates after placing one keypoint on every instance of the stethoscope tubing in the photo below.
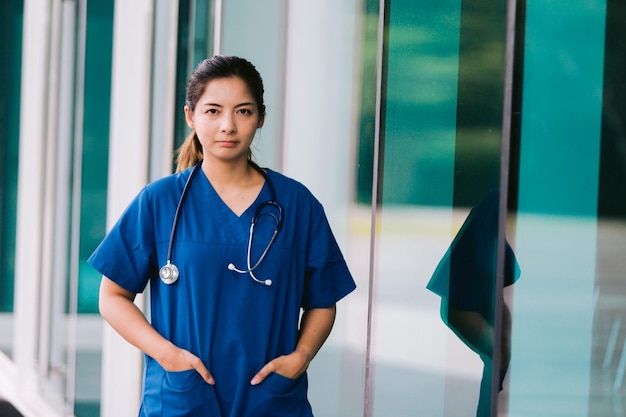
(170, 246)
(169, 272)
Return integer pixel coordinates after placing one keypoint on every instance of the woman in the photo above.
(226, 337)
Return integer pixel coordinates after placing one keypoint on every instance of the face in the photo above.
(225, 119)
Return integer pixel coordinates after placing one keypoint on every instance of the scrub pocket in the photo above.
(278, 396)
(177, 394)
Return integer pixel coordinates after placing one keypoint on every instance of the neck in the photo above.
(231, 174)
(238, 185)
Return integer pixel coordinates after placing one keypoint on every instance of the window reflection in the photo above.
(465, 279)
(442, 146)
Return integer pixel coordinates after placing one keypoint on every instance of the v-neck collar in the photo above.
(215, 204)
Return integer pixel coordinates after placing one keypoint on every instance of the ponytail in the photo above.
(189, 153)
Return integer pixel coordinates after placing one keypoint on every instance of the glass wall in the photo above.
(93, 193)
(560, 174)
(608, 357)
(440, 146)
(568, 356)
(63, 299)
(10, 70)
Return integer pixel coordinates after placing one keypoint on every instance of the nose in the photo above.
(228, 123)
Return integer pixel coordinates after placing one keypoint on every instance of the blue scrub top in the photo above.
(466, 275)
(234, 324)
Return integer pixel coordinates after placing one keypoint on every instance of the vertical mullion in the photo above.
(379, 129)
(76, 198)
(507, 106)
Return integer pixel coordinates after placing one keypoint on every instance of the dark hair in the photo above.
(218, 66)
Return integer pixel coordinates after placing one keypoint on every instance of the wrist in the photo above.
(307, 353)
(164, 353)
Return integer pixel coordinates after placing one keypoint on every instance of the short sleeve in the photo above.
(127, 254)
(328, 278)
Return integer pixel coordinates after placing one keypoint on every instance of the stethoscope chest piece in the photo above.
(169, 273)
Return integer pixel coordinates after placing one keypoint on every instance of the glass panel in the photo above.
(202, 18)
(97, 94)
(10, 76)
(337, 376)
(183, 67)
(194, 44)
(367, 119)
(97, 101)
(441, 148)
(608, 360)
(568, 334)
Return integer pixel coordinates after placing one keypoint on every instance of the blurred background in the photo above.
(400, 116)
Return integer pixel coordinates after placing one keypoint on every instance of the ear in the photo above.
(261, 121)
(188, 116)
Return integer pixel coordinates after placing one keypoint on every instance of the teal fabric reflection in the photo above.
(465, 281)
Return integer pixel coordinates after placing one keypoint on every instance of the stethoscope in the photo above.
(169, 272)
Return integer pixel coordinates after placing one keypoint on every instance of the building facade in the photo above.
(400, 116)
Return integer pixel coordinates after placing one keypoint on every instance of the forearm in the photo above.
(315, 326)
(119, 311)
(475, 331)
(472, 328)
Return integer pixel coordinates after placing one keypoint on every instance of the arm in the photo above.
(315, 327)
(117, 308)
(477, 333)
(472, 328)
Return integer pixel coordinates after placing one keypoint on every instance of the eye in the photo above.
(245, 111)
(211, 111)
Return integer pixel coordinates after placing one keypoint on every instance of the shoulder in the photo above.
(284, 184)
(297, 198)
(161, 194)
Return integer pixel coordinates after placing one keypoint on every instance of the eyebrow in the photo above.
(236, 106)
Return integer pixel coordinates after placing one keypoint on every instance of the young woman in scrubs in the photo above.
(221, 340)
